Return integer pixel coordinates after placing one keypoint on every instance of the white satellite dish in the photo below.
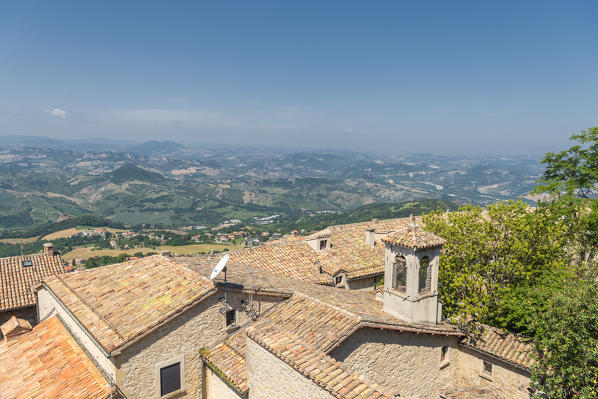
(219, 266)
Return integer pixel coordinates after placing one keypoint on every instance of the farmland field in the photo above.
(197, 248)
(66, 233)
(90, 252)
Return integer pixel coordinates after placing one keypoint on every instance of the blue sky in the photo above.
(394, 77)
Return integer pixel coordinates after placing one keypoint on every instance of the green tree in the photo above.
(566, 343)
(573, 171)
(491, 252)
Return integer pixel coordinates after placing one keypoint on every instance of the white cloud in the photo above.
(61, 113)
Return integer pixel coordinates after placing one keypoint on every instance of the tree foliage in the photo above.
(566, 343)
(489, 253)
(573, 171)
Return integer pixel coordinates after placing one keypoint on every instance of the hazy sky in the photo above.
(444, 77)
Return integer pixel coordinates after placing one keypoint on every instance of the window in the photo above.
(170, 378)
(425, 275)
(27, 263)
(230, 318)
(487, 368)
(400, 273)
(323, 244)
(338, 279)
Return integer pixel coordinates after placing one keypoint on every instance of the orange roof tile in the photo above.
(509, 347)
(17, 281)
(413, 236)
(331, 375)
(350, 253)
(118, 303)
(47, 363)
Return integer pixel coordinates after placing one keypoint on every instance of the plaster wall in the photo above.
(362, 284)
(511, 381)
(48, 306)
(401, 363)
(271, 378)
(216, 388)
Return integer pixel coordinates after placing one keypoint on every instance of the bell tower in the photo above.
(411, 275)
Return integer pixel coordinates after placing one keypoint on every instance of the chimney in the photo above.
(14, 327)
(49, 249)
(370, 235)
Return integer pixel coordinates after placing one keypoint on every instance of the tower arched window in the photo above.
(399, 281)
(425, 275)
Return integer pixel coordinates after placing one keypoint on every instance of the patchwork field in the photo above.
(193, 249)
(66, 233)
(86, 253)
(18, 240)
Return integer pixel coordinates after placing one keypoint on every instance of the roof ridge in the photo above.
(90, 308)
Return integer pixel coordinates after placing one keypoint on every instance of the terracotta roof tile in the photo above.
(47, 363)
(17, 281)
(117, 303)
(350, 253)
(329, 374)
(510, 347)
(413, 236)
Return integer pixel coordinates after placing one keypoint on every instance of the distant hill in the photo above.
(130, 172)
(156, 147)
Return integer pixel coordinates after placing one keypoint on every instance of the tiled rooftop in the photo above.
(413, 236)
(295, 258)
(510, 347)
(318, 317)
(118, 303)
(47, 363)
(17, 281)
(329, 374)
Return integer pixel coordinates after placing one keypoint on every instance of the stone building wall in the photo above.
(402, 363)
(362, 283)
(216, 388)
(48, 306)
(270, 378)
(182, 337)
(511, 381)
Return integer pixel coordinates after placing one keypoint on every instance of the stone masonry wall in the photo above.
(512, 382)
(362, 284)
(216, 388)
(197, 328)
(271, 378)
(402, 363)
(184, 336)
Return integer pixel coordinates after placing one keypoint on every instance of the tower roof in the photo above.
(414, 237)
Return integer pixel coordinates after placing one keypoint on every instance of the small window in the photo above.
(323, 244)
(487, 368)
(27, 263)
(338, 279)
(230, 318)
(444, 353)
(400, 273)
(425, 275)
(170, 378)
